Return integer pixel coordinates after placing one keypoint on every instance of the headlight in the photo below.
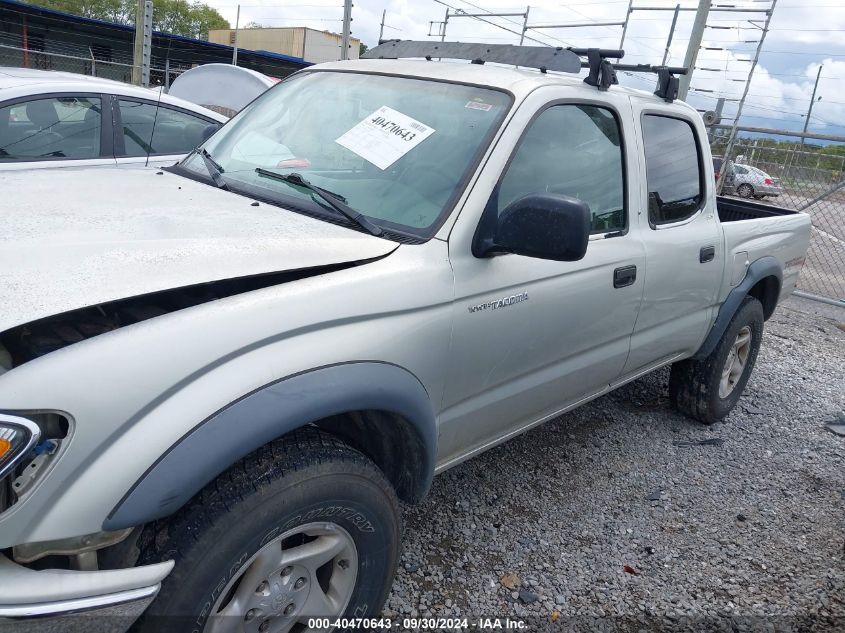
(17, 437)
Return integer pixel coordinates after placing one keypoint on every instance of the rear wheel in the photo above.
(709, 389)
(306, 527)
(745, 190)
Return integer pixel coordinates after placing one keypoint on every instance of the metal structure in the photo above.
(732, 137)
(704, 8)
(694, 44)
(812, 179)
(458, 13)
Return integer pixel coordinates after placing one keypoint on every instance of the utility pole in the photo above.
(148, 43)
(347, 29)
(138, 49)
(693, 47)
(381, 28)
(235, 43)
(812, 101)
(445, 24)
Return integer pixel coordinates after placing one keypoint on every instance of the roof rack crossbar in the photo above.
(602, 72)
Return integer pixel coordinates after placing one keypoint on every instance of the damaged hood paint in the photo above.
(81, 237)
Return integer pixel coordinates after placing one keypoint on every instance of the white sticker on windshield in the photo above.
(385, 136)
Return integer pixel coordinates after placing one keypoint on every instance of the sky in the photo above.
(803, 35)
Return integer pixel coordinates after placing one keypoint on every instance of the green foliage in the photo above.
(171, 16)
(362, 48)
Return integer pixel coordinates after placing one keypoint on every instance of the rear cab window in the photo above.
(673, 169)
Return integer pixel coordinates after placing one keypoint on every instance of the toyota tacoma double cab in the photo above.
(218, 379)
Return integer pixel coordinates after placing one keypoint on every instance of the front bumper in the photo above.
(64, 600)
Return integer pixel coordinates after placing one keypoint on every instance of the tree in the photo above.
(362, 48)
(253, 25)
(171, 16)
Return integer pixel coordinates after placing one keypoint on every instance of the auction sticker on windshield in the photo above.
(385, 136)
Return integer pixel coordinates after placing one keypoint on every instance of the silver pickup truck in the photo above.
(218, 379)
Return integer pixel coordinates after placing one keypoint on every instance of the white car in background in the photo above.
(58, 119)
(748, 181)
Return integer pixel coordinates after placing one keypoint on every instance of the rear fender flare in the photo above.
(268, 413)
(764, 267)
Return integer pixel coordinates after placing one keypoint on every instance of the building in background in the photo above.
(297, 41)
(35, 37)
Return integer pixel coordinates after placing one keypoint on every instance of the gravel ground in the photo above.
(625, 516)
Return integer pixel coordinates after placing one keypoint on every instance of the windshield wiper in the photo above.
(334, 200)
(213, 167)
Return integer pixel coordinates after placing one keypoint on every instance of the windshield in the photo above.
(396, 150)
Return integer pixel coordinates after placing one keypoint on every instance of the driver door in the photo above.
(532, 337)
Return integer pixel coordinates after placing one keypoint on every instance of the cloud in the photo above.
(802, 36)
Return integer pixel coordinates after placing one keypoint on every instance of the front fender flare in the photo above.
(764, 267)
(266, 414)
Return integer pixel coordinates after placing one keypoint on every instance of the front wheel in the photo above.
(709, 389)
(305, 528)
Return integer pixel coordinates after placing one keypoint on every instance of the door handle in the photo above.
(624, 276)
(707, 254)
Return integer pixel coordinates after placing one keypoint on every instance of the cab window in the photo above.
(673, 169)
(574, 150)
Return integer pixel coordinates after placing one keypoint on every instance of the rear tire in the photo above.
(304, 527)
(709, 389)
(745, 190)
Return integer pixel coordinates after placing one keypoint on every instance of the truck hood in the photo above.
(77, 237)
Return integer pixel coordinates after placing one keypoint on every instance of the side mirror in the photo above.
(546, 226)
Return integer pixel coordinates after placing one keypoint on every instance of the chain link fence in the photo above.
(803, 175)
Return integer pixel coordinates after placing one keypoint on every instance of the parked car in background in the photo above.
(57, 119)
(747, 182)
(220, 87)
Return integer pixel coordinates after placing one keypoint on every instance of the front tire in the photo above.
(709, 389)
(305, 527)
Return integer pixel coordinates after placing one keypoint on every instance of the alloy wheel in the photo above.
(309, 571)
(736, 362)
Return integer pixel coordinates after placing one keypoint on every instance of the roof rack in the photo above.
(602, 72)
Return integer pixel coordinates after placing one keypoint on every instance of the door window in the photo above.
(148, 128)
(673, 169)
(574, 150)
(55, 127)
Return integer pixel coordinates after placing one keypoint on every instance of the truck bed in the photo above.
(738, 209)
(753, 230)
